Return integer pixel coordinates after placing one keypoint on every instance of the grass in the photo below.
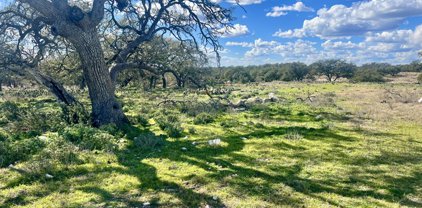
(338, 151)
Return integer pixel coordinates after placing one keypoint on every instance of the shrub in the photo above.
(368, 75)
(170, 124)
(20, 150)
(420, 78)
(192, 130)
(293, 135)
(229, 123)
(141, 120)
(74, 114)
(89, 138)
(203, 118)
(174, 130)
(148, 141)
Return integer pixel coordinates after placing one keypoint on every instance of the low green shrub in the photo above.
(148, 141)
(89, 138)
(203, 118)
(12, 151)
(229, 123)
(170, 124)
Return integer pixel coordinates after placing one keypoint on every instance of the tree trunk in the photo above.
(164, 82)
(53, 86)
(105, 107)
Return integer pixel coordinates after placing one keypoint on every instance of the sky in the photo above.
(281, 31)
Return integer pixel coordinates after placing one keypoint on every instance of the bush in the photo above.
(170, 124)
(229, 123)
(368, 75)
(420, 78)
(203, 118)
(20, 150)
(89, 138)
(148, 141)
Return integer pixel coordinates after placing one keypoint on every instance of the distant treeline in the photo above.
(332, 70)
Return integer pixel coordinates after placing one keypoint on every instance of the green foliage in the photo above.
(74, 114)
(334, 69)
(203, 118)
(296, 72)
(368, 75)
(148, 141)
(229, 123)
(89, 138)
(170, 124)
(12, 151)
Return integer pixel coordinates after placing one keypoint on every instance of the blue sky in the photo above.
(289, 30)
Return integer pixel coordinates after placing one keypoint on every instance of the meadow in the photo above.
(313, 145)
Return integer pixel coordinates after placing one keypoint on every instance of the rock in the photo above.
(43, 138)
(48, 176)
(420, 100)
(267, 100)
(146, 204)
(215, 198)
(243, 138)
(255, 100)
(194, 143)
(272, 97)
(240, 103)
(319, 117)
(214, 142)
(184, 149)
(186, 137)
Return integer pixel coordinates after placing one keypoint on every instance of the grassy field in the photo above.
(318, 145)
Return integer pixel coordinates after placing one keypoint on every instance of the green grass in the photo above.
(296, 154)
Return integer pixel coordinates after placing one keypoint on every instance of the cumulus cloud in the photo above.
(235, 31)
(361, 18)
(283, 10)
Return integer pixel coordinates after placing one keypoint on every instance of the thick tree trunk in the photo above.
(105, 107)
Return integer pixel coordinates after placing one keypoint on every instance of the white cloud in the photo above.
(245, 2)
(281, 11)
(241, 44)
(235, 31)
(296, 33)
(340, 21)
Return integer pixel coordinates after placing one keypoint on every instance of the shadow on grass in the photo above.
(247, 180)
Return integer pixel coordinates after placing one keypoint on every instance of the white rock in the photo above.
(214, 142)
(186, 137)
(194, 143)
(420, 100)
(184, 149)
(215, 198)
(146, 204)
(244, 138)
(48, 176)
(43, 138)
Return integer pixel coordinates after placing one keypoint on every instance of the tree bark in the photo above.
(164, 81)
(54, 87)
(105, 107)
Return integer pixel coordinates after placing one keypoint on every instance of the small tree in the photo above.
(420, 78)
(296, 72)
(334, 69)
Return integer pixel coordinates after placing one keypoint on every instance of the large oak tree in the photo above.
(106, 33)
